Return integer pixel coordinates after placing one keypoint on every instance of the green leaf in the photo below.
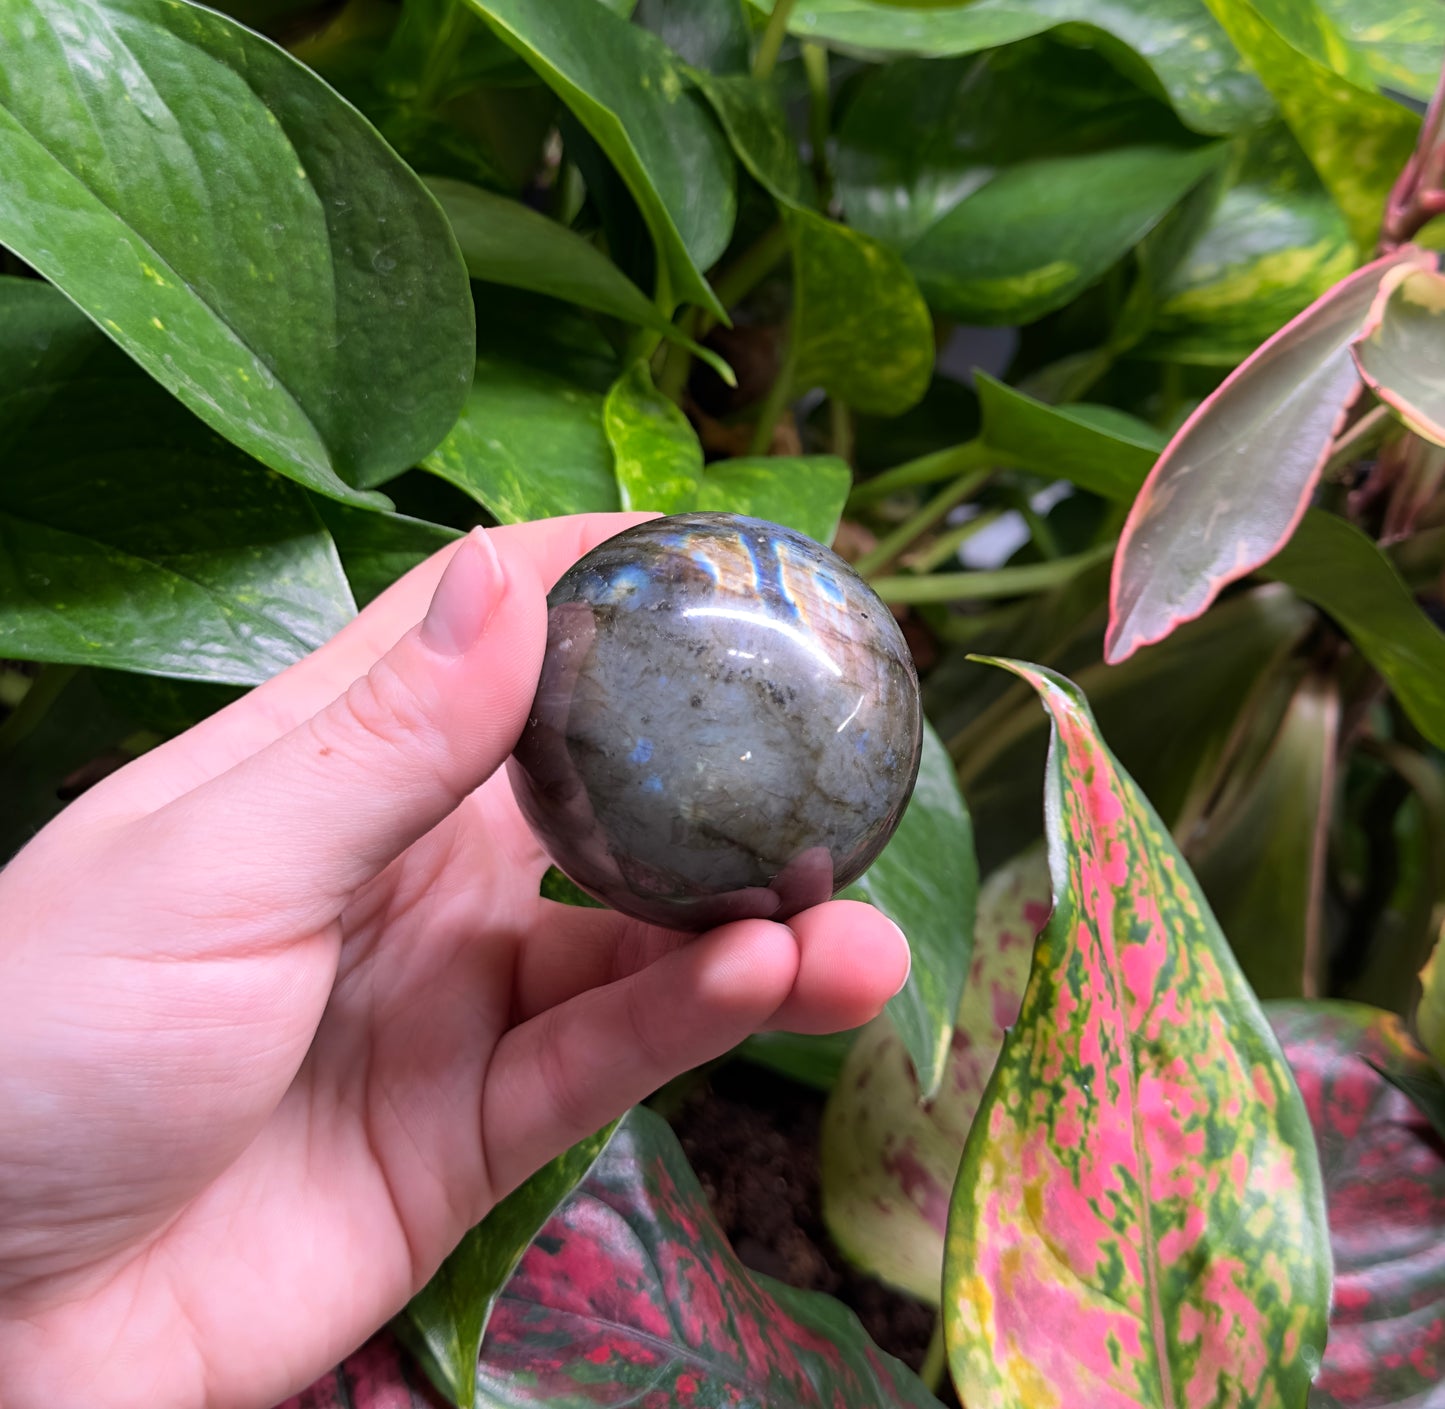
(631, 1295)
(376, 549)
(505, 242)
(810, 1059)
(1331, 563)
(1358, 140)
(861, 330)
(710, 34)
(444, 1324)
(1274, 244)
(1261, 859)
(155, 546)
(752, 116)
(528, 445)
(1402, 42)
(926, 882)
(1228, 491)
(1139, 1216)
(1399, 352)
(238, 229)
(887, 1157)
(558, 887)
(1191, 58)
(1430, 1019)
(630, 92)
(805, 492)
(656, 453)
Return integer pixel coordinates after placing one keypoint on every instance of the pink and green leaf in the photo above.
(1400, 351)
(1139, 1218)
(1233, 484)
(1384, 1177)
(888, 1159)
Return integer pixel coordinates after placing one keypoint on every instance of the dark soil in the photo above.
(752, 1138)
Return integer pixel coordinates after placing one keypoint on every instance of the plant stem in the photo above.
(1419, 194)
(747, 271)
(947, 544)
(771, 44)
(926, 469)
(935, 1359)
(772, 407)
(986, 586)
(35, 705)
(915, 526)
(815, 66)
(840, 429)
(1358, 440)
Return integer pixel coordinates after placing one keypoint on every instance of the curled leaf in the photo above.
(1400, 351)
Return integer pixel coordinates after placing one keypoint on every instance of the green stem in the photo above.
(773, 405)
(815, 66)
(914, 527)
(840, 429)
(677, 360)
(1358, 441)
(926, 469)
(935, 1359)
(984, 586)
(43, 692)
(1039, 530)
(771, 44)
(948, 544)
(748, 270)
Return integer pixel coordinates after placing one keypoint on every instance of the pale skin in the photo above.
(282, 1015)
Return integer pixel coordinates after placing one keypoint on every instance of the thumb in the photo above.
(328, 805)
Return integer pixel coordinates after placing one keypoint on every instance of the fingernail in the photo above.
(907, 958)
(466, 597)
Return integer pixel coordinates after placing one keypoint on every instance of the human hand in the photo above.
(282, 1015)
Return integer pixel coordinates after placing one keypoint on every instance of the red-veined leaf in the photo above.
(888, 1160)
(1400, 351)
(1234, 483)
(378, 1376)
(1384, 1172)
(631, 1295)
(1139, 1218)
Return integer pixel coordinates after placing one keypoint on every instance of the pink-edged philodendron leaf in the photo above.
(1400, 352)
(631, 1295)
(1235, 481)
(887, 1158)
(1139, 1221)
(1384, 1171)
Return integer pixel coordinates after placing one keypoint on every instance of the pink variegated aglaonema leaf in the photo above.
(380, 1375)
(887, 1157)
(1384, 1172)
(1139, 1221)
(1400, 351)
(1233, 484)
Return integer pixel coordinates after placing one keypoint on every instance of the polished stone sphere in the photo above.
(727, 724)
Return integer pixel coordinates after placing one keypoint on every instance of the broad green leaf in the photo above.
(1331, 563)
(238, 229)
(1190, 56)
(926, 882)
(376, 548)
(559, 888)
(1139, 1217)
(710, 34)
(887, 1157)
(1401, 42)
(656, 454)
(860, 329)
(812, 1060)
(1232, 485)
(444, 1323)
(1384, 1176)
(133, 536)
(529, 445)
(631, 1294)
(1400, 352)
(629, 91)
(1358, 140)
(1275, 243)
(751, 113)
(505, 242)
(805, 492)
(1261, 859)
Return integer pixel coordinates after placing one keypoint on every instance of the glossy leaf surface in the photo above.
(1138, 1218)
(1401, 349)
(1331, 563)
(805, 492)
(1357, 139)
(629, 91)
(529, 444)
(630, 1294)
(926, 882)
(887, 1157)
(377, 548)
(752, 115)
(445, 1322)
(1235, 481)
(1384, 1173)
(238, 229)
(157, 547)
(1401, 42)
(656, 454)
(861, 330)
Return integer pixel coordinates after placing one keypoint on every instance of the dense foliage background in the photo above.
(1095, 337)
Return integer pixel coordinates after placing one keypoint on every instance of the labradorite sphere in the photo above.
(727, 725)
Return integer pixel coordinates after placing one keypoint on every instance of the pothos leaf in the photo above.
(1139, 1216)
(656, 454)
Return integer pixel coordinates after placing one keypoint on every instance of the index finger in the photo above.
(275, 708)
